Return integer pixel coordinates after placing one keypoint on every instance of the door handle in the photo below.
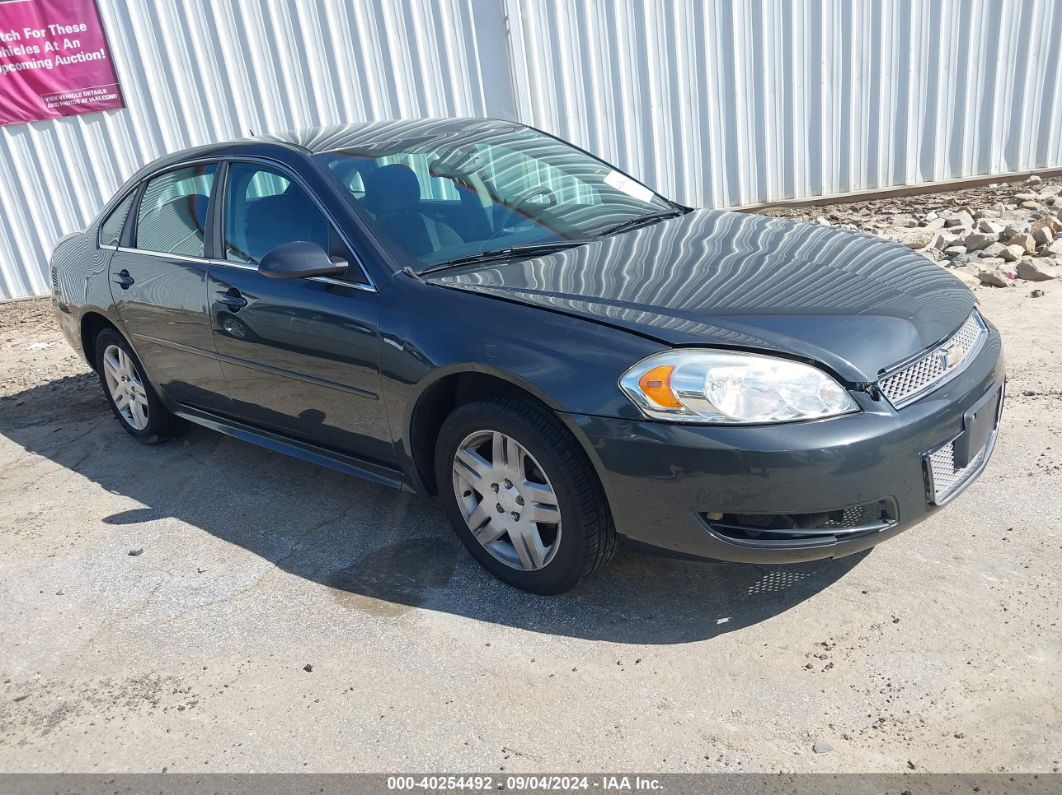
(232, 299)
(124, 280)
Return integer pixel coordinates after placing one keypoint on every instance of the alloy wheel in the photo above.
(507, 501)
(126, 387)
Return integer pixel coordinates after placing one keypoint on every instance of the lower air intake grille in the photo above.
(945, 478)
(761, 529)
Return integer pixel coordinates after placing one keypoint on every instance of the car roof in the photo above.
(365, 138)
(383, 135)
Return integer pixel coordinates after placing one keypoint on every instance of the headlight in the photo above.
(727, 387)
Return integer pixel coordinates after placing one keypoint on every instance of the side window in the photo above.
(264, 209)
(173, 213)
(111, 229)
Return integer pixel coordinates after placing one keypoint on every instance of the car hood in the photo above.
(850, 301)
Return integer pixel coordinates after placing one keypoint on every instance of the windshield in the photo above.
(437, 199)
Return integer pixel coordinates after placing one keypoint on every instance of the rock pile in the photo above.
(1016, 238)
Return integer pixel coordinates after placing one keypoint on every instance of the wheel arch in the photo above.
(448, 389)
(91, 323)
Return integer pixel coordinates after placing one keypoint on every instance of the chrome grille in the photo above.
(946, 478)
(947, 359)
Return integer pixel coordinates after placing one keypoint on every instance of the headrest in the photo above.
(192, 210)
(285, 218)
(391, 189)
(199, 209)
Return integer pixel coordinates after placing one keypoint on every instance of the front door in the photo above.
(300, 356)
(159, 287)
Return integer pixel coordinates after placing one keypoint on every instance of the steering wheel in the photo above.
(519, 200)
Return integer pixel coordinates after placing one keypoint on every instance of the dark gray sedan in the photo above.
(480, 310)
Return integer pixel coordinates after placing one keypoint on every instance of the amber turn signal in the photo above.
(656, 385)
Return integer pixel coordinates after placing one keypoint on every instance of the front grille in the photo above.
(945, 360)
(945, 479)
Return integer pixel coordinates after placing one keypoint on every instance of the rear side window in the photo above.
(111, 229)
(173, 212)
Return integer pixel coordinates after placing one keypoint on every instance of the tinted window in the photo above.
(173, 213)
(264, 209)
(111, 229)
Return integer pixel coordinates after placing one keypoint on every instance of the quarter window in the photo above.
(111, 229)
(264, 209)
(173, 212)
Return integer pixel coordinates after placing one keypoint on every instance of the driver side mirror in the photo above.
(299, 260)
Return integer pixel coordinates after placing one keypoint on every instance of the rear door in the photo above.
(159, 286)
(300, 356)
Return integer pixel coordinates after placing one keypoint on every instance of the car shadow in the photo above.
(380, 550)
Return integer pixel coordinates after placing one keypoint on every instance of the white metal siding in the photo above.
(718, 103)
(197, 71)
(737, 102)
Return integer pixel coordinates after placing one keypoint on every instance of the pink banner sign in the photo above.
(54, 61)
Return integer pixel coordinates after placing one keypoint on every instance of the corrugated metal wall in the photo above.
(715, 102)
(729, 102)
(196, 71)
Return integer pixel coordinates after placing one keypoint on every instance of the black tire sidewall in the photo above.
(568, 564)
(160, 420)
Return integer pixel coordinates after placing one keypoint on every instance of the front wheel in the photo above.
(522, 496)
(129, 393)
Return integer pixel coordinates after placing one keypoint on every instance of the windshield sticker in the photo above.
(629, 186)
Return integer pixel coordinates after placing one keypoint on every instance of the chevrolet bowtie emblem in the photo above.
(950, 355)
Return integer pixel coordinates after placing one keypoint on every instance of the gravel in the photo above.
(997, 236)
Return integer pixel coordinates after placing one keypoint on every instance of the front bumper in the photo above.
(667, 482)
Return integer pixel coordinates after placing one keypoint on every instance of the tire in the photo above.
(155, 423)
(553, 468)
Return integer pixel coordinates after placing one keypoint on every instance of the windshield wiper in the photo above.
(638, 220)
(512, 252)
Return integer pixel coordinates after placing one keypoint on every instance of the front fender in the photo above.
(570, 364)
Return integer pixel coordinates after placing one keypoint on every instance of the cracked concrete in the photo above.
(942, 645)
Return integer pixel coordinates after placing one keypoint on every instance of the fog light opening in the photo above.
(823, 527)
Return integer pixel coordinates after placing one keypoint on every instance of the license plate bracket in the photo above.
(979, 423)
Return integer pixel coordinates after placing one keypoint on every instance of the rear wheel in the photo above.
(132, 398)
(522, 497)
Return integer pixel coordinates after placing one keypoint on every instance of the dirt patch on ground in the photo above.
(34, 354)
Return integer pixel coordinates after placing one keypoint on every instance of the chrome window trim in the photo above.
(243, 266)
(240, 266)
(163, 255)
(340, 283)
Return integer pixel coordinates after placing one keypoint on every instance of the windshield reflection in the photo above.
(436, 197)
